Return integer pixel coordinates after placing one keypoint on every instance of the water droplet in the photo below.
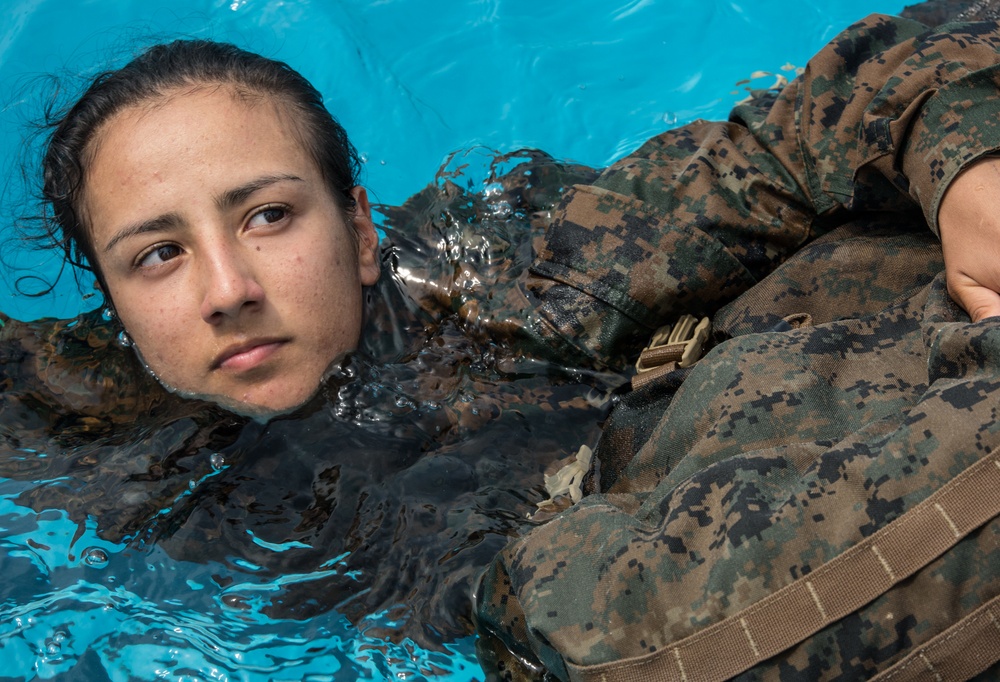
(217, 461)
(124, 340)
(95, 557)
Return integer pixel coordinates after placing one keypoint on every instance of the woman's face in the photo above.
(229, 262)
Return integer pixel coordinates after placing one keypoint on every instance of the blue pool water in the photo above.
(412, 81)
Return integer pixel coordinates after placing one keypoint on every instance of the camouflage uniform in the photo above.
(845, 387)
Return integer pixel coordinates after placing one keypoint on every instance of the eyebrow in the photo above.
(225, 201)
(237, 195)
(157, 224)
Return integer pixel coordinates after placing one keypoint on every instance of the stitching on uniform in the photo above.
(680, 664)
(753, 644)
(692, 640)
(815, 596)
(885, 564)
(927, 662)
(951, 524)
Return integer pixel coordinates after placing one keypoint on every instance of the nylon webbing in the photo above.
(961, 652)
(835, 589)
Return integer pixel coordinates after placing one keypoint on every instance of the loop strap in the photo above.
(671, 347)
(836, 589)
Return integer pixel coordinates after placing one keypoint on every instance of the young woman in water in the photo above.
(218, 204)
(236, 260)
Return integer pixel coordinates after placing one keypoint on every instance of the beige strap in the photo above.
(835, 589)
(966, 649)
(671, 347)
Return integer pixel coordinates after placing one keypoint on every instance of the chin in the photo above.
(274, 404)
(260, 404)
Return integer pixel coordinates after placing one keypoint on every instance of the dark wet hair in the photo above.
(156, 71)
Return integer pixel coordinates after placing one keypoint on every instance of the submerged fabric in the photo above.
(387, 493)
(782, 448)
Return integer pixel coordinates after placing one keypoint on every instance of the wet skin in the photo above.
(227, 258)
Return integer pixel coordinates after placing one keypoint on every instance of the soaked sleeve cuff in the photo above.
(958, 125)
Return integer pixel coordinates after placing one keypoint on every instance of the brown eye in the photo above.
(268, 216)
(160, 255)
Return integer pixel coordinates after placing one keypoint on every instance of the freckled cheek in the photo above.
(157, 323)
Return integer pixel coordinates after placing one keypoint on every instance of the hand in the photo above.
(969, 223)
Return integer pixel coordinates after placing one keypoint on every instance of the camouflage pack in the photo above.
(815, 498)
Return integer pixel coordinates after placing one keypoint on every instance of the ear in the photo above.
(366, 236)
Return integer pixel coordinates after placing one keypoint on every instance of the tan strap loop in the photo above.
(671, 347)
(837, 588)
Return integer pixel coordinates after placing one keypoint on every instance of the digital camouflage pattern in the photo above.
(788, 443)
(424, 451)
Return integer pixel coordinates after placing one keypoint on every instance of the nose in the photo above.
(230, 286)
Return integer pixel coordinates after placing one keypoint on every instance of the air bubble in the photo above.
(95, 557)
(217, 461)
(124, 340)
(107, 314)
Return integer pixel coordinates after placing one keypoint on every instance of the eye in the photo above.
(268, 215)
(158, 255)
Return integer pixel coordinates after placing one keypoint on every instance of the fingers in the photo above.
(969, 226)
(979, 301)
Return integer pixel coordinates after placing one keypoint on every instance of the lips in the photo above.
(241, 357)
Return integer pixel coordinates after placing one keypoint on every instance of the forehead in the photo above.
(188, 143)
(185, 117)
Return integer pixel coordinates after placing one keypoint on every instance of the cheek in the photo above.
(328, 295)
(157, 327)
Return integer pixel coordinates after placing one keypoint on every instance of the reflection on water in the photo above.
(145, 535)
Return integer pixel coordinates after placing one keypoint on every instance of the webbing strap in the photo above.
(835, 589)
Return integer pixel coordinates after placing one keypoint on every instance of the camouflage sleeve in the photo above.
(882, 119)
